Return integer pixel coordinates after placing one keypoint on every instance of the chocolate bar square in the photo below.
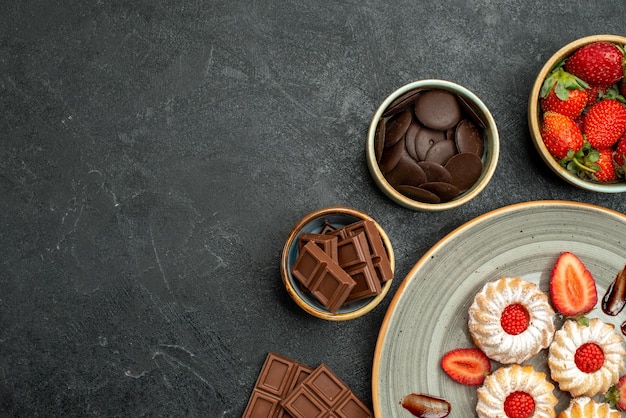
(278, 377)
(323, 394)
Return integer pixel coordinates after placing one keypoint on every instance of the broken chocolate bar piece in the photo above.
(278, 377)
(323, 394)
(326, 280)
(355, 259)
(379, 256)
(327, 243)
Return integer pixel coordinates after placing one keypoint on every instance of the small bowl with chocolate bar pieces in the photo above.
(432, 145)
(337, 263)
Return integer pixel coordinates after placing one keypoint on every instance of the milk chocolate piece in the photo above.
(441, 152)
(396, 127)
(468, 138)
(328, 282)
(327, 243)
(323, 394)
(327, 227)
(465, 169)
(407, 171)
(419, 194)
(378, 254)
(438, 109)
(435, 171)
(278, 377)
(425, 139)
(355, 259)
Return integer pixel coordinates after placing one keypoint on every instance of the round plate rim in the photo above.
(518, 207)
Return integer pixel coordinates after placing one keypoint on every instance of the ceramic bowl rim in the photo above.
(290, 282)
(534, 110)
(490, 160)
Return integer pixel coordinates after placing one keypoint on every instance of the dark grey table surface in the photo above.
(155, 154)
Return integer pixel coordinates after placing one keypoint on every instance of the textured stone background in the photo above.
(154, 155)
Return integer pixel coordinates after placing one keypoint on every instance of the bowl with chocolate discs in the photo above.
(337, 263)
(432, 145)
(577, 113)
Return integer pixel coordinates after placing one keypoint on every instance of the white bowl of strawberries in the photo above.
(577, 113)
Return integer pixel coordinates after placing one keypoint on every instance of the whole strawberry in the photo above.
(606, 172)
(595, 94)
(605, 122)
(598, 63)
(560, 134)
(619, 157)
(563, 93)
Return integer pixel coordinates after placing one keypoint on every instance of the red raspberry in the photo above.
(519, 405)
(514, 319)
(589, 357)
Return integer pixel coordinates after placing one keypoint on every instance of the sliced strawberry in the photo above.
(572, 287)
(468, 366)
(616, 396)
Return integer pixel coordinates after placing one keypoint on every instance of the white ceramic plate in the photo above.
(428, 314)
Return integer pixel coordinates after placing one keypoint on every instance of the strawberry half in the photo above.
(572, 287)
(467, 366)
(616, 396)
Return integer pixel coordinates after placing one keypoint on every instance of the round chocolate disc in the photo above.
(438, 109)
(409, 139)
(391, 156)
(469, 138)
(445, 191)
(406, 172)
(425, 139)
(401, 102)
(435, 172)
(396, 127)
(379, 139)
(419, 194)
(441, 152)
(465, 169)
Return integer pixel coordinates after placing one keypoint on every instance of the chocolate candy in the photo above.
(323, 394)
(342, 265)
(277, 379)
(319, 273)
(438, 109)
(287, 388)
(439, 155)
